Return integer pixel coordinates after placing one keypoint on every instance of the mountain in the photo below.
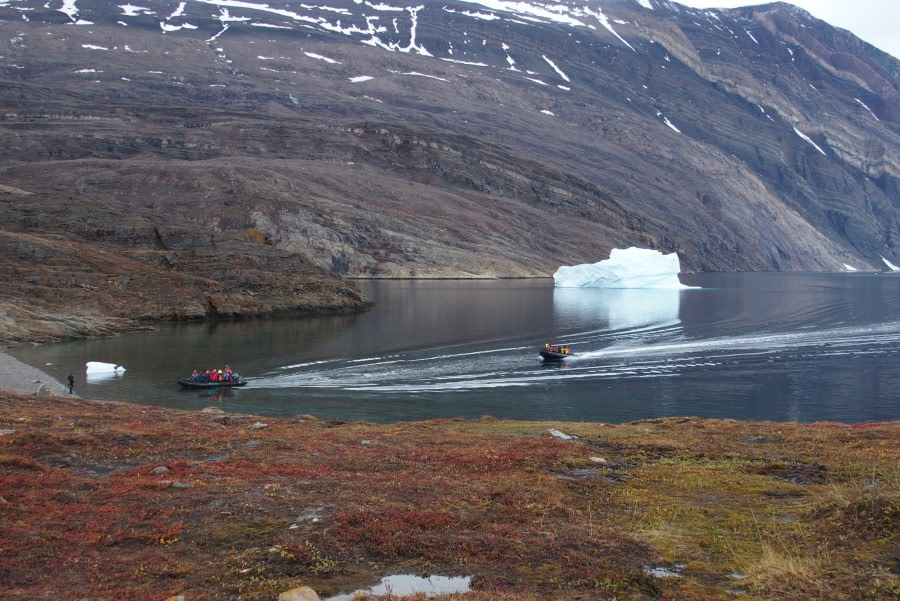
(181, 159)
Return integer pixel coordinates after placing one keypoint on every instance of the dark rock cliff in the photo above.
(241, 155)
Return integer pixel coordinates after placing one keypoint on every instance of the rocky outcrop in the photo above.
(301, 593)
(77, 280)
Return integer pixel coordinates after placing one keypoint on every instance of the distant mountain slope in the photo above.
(457, 138)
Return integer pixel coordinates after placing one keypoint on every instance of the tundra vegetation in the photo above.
(121, 501)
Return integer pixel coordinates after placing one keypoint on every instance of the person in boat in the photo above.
(194, 376)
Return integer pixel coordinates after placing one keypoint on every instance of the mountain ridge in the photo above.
(451, 139)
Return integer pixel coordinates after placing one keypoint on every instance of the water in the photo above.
(407, 584)
(784, 347)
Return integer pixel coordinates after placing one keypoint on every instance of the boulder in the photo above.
(302, 593)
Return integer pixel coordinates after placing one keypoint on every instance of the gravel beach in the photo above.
(20, 378)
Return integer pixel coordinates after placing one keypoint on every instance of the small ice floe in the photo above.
(559, 434)
(97, 370)
(404, 584)
(98, 367)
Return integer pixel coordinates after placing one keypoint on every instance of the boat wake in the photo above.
(661, 351)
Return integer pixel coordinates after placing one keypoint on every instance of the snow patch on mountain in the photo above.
(178, 11)
(417, 74)
(808, 139)
(604, 20)
(474, 15)
(555, 13)
(322, 58)
(166, 27)
(555, 68)
(377, 42)
(867, 108)
(130, 10)
(69, 8)
(471, 64)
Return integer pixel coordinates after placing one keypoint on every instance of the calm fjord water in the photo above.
(782, 347)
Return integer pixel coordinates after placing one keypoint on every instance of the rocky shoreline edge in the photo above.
(21, 378)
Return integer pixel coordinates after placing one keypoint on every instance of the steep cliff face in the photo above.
(462, 138)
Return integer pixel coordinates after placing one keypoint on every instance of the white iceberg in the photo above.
(97, 371)
(97, 367)
(625, 268)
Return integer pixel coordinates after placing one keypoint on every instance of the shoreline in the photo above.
(22, 378)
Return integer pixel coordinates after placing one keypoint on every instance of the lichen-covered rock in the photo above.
(302, 593)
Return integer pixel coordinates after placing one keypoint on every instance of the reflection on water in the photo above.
(620, 308)
(210, 394)
(761, 346)
(92, 377)
(403, 585)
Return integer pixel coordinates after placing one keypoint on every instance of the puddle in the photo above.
(607, 474)
(583, 473)
(406, 584)
(665, 571)
(797, 473)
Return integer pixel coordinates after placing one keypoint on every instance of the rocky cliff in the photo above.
(182, 159)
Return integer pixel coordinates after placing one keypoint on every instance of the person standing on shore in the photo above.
(71, 380)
